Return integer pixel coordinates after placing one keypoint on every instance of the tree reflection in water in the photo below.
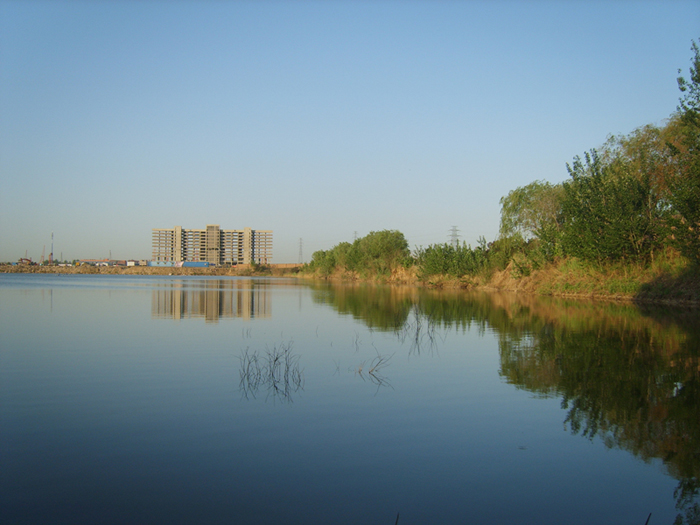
(421, 330)
(630, 379)
(627, 375)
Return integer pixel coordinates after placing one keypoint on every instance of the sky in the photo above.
(319, 120)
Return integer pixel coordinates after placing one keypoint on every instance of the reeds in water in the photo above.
(277, 370)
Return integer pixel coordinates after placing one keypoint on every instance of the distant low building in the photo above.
(94, 262)
(213, 245)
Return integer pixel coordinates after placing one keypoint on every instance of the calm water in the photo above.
(196, 400)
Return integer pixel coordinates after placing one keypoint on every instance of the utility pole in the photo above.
(454, 237)
(301, 256)
(51, 254)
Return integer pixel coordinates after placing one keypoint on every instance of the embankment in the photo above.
(669, 281)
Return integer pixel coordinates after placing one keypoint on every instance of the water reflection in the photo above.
(627, 375)
(212, 299)
(379, 307)
(203, 423)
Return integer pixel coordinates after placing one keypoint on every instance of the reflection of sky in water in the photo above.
(111, 414)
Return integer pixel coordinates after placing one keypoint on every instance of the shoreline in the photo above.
(242, 271)
(665, 290)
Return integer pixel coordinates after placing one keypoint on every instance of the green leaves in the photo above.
(455, 261)
(689, 103)
(377, 253)
(685, 196)
(607, 211)
(531, 209)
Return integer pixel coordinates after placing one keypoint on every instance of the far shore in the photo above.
(86, 269)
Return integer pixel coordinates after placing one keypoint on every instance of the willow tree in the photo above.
(533, 212)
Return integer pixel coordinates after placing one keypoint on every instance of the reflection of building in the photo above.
(213, 245)
(212, 299)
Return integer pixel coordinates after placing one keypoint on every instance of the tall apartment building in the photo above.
(213, 245)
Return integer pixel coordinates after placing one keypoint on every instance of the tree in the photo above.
(685, 195)
(530, 213)
(606, 211)
(380, 251)
(447, 259)
(323, 261)
(689, 103)
(528, 210)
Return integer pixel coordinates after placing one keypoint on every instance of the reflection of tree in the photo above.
(626, 374)
(380, 307)
(420, 330)
(626, 378)
(277, 370)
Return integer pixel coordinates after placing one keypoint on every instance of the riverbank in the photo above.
(668, 281)
(240, 270)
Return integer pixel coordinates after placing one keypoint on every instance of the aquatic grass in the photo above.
(277, 370)
(371, 371)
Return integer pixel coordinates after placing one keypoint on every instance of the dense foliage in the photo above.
(607, 211)
(452, 260)
(685, 195)
(378, 253)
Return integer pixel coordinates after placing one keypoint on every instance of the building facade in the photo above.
(213, 245)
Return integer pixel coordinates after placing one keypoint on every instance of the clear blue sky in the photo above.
(318, 120)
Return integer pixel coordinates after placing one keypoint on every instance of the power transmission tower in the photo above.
(454, 236)
(301, 256)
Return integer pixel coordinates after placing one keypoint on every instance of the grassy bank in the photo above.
(669, 279)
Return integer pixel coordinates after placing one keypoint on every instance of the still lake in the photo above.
(246, 400)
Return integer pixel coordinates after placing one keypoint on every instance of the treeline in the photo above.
(381, 253)
(634, 197)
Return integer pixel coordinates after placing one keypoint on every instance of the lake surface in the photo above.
(242, 400)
